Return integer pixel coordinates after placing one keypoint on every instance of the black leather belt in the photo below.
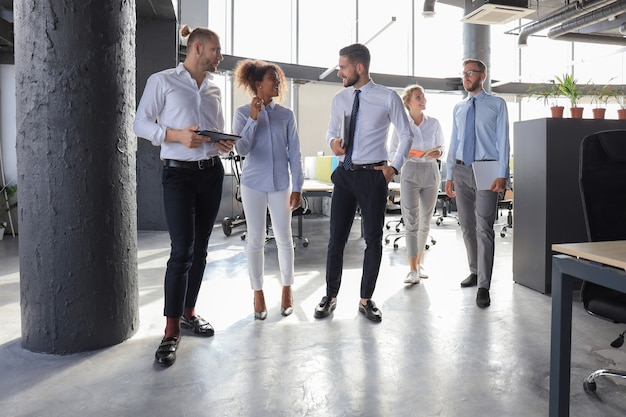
(367, 167)
(195, 165)
(459, 162)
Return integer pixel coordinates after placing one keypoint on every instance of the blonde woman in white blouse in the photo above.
(420, 178)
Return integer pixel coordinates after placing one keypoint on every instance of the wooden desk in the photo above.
(595, 262)
(315, 188)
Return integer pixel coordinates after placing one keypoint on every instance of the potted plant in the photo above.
(549, 93)
(6, 194)
(620, 98)
(599, 98)
(569, 87)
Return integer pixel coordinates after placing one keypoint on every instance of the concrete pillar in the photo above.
(477, 44)
(75, 87)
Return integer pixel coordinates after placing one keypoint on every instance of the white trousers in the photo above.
(419, 187)
(255, 206)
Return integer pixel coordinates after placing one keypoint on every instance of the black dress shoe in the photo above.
(166, 353)
(325, 307)
(470, 281)
(482, 298)
(199, 325)
(371, 311)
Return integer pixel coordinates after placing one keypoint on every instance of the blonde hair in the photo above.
(408, 91)
(248, 72)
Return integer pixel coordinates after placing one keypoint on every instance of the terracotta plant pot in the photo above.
(577, 112)
(557, 112)
(621, 114)
(598, 112)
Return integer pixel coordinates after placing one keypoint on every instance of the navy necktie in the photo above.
(347, 160)
(469, 141)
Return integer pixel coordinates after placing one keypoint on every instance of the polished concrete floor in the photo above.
(434, 354)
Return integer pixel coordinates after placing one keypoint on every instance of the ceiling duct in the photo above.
(495, 12)
(429, 8)
(588, 19)
(603, 39)
(566, 14)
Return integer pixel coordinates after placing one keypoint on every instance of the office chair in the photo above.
(505, 202)
(398, 226)
(445, 203)
(603, 191)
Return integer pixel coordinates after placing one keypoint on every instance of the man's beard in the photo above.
(473, 87)
(349, 82)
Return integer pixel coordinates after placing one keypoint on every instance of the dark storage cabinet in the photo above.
(547, 202)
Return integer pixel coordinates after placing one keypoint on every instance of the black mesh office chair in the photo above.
(603, 191)
(505, 202)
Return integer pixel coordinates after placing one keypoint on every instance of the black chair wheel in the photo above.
(305, 244)
(386, 241)
(243, 237)
(427, 246)
(589, 386)
(388, 227)
(438, 222)
(227, 226)
(395, 246)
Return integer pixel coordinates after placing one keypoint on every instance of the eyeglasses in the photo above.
(469, 73)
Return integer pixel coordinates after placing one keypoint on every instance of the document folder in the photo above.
(485, 172)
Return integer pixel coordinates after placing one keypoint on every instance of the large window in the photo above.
(263, 29)
(311, 32)
(325, 26)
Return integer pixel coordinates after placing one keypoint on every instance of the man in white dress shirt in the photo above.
(361, 178)
(175, 104)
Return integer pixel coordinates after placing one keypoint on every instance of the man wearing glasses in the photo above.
(480, 132)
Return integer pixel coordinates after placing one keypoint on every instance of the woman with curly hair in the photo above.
(269, 140)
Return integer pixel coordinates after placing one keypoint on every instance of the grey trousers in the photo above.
(477, 213)
(419, 187)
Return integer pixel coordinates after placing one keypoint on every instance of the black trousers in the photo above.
(191, 198)
(368, 190)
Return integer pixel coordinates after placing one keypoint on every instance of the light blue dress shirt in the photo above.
(271, 148)
(425, 136)
(379, 107)
(172, 99)
(492, 133)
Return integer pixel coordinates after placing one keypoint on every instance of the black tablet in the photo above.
(218, 135)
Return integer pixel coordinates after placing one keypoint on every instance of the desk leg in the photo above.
(561, 341)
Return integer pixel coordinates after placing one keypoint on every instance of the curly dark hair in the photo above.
(248, 72)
